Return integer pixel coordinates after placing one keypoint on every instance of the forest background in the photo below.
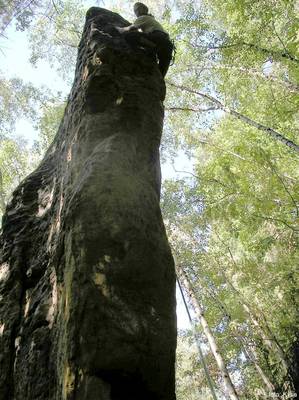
(231, 178)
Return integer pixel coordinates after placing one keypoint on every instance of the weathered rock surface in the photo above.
(87, 277)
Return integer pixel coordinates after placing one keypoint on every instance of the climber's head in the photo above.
(140, 9)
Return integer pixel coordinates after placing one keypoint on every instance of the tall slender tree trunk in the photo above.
(252, 355)
(208, 333)
(244, 118)
(268, 337)
(87, 276)
(262, 327)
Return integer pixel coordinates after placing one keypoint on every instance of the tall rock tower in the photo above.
(87, 277)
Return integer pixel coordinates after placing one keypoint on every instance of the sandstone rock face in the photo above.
(87, 277)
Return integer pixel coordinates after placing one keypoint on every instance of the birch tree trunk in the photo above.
(252, 355)
(262, 328)
(209, 335)
(268, 338)
(244, 118)
(87, 276)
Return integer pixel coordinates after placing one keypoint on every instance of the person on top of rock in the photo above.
(154, 33)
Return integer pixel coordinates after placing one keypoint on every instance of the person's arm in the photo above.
(138, 24)
(140, 21)
(127, 28)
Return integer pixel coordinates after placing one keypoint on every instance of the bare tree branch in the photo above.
(292, 87)
(282, 183)
(273, 53)
(271, 132)
(275, 220)
(191, 109)
(222, 150)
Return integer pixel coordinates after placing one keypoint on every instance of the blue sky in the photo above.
(14, 63)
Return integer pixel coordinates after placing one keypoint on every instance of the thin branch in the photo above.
(274, 134)
(222, 150)
(289, 177)
(191, 109)
(2, 34)
(292, 87)
(55, 7)
(200, 177)
(282, 183)
(211, 203)
(275, 220)
(64, 43)
(280, 40)
(185, 172)
(270, 52)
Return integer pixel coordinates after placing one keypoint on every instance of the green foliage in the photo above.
(234, 225)
(16, 162)
(17, 100)
(48, 124)
(19, 11)
(20, 100)
(55, 36)
(189, 380)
